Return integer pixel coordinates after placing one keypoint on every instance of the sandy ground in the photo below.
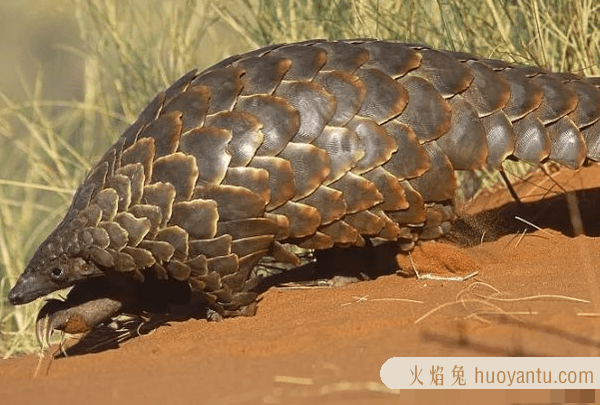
(328, 344)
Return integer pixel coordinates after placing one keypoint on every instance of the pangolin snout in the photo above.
(18, 294)
(28, 288)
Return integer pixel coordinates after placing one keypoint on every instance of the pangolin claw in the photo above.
(43, 330)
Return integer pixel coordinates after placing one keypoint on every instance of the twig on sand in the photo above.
(533, 225)
(365, 299)
(287, 379)
(487, 299)
(431, 276)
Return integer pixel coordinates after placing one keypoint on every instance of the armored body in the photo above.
(315, 144)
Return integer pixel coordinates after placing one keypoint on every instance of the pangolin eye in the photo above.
(57, 273)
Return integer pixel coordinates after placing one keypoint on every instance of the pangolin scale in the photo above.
(315, 144)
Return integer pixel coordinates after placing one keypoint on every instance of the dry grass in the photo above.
(133, 49)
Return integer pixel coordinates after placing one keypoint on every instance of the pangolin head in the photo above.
(57, 263)
(63, 258)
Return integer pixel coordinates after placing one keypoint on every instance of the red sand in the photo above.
(328, 344)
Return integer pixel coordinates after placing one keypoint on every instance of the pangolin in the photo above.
(315, 144)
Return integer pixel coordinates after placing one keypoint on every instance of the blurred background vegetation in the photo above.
(74, 74)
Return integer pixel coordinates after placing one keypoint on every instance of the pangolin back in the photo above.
(317, 144)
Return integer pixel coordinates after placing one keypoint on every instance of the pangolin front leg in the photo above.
(89, 303)
(74, 319)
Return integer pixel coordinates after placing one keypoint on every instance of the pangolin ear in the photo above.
(86, 269)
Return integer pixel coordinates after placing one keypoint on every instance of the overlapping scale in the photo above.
(163, 251)
(225, 86)
(465, 142)
(393, 59)
(376, 142)
(588, 107)
(280, 121)
(177, 238)
(223, 264)
(533, 143)
(97, 180)
(306, 61)
(329, 202)
(411, 158)
(317, 241)
(282, 225)
(315, 105)
(178, 270)
(92, 214)
(558, 101)
(246, 246)
(525, 96)
(142, 152)
(448, 76)
(385, 99)
(342, 234)
(108, 201)
(165, 131)
(179, 170)
(311, 166)
(591, 135)
(263, 74)
(251, 178)
(365, 222)
(343, 56)
(151, 212)
(344, 148)
(500, 137)
(394, 197)
(567, 145)
(136, 228)
(180, 85)
(281, 179)
(232, 202)
(135, 175)
(209, 147)
(488, 92)
(123, 262)
(439, 182)
(303, 219)
(390, 230)
(197, 217)
(213, 247)
(359, 193)
(117, 235)
(422, 96)
(121, 185)
(193, 104)
(349, 93)
(142, 257)
(244, 228)
(246, 134)
(161, 195)
(146, 116)
(415, 214)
